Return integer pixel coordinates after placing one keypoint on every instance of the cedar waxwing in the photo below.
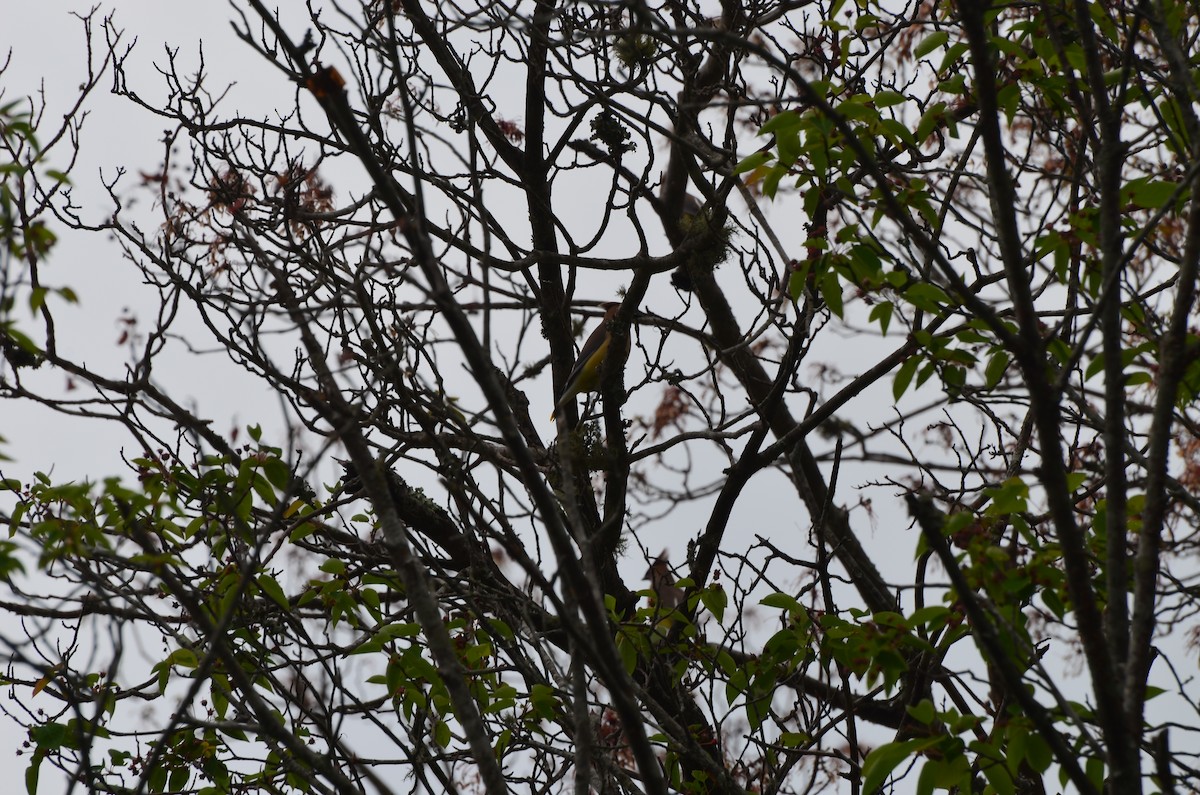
(585, 375)
(692, 207)
(667, 594)
(690, 210)
(693, 220)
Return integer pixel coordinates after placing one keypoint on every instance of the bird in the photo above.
(585, 375)
(667, 601)
(667, 595)
(692, 208)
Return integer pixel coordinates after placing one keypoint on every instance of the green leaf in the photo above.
(37, 298)
(883, 314)
(787, 143)
(857, 109)
(278, 472)
(897, 133)
(1150, 194)
(831, 291)
(1009, 497)
(753, 161)
(1094, 767)
(945, 774)
(885, 99)
(441, 734)
(780, 121)
(627, 646)
(770, 183)
(31, 772)
(1038, 752)
(157, 781)
(333, 566)
(936, 614)
(715, 601)
(545, 702)
(953, 53)
(996, 366)
(927, 296)
(758, 700)
(923, 712)
(270, 586)
(1053, 603)
(184, 658)
(955, 84)
(179, 779)
(783, 601)
(386, 634)
(930, 43)
(930, 119)
(904, 376)
(998, 776)
(883, 760)
(49, 736)
(1058, 349)
(302, 531)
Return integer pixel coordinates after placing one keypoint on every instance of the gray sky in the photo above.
(47, 53)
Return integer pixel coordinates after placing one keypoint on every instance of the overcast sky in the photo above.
(47, 52)
(46, 47)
